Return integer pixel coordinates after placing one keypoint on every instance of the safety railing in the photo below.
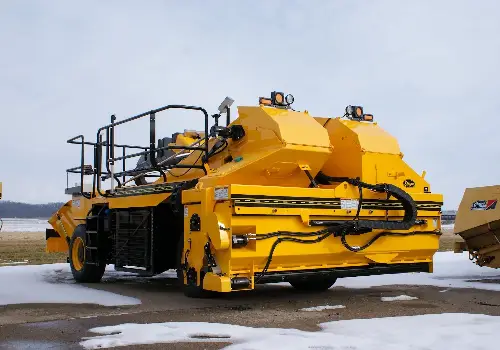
(106, 138)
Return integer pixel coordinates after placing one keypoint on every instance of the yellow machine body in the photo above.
(478, 223)
(260, 185)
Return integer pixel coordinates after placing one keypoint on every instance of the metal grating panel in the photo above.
(133, 238)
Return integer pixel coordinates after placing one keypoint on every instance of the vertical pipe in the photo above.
(123, 164)
(95, 170)
(152, 139)
(99, 165)
(82, 165)
(111, 145)
(152, 145)
(206, 138)
(228, 116)
(107, 147)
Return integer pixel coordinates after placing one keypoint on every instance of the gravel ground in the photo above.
(56, 326)
(63, 326)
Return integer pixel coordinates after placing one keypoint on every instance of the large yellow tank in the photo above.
(274, 195)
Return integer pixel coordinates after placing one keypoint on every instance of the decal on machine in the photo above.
(409, 183)
(489, 204)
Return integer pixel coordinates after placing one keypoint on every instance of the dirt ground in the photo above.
(26, 247)
(56, 326)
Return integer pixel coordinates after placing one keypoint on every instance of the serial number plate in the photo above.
(221, 193)
(349, 203)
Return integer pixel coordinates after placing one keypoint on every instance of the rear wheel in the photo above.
(81, 270)
(313, 284)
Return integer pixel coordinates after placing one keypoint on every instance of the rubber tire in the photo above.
(313, 284)
(89, 273)
(189, 291)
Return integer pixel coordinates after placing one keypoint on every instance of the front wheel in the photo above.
(81, 270)
(313, 284)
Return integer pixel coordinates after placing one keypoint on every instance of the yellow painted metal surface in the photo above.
(78, 253)
(478, 223)
(268, 190)
(138, 201)
(292, 256)
(216, 283)
(56, 244)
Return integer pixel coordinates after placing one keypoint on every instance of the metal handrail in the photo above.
(152, 147)
(99, 174)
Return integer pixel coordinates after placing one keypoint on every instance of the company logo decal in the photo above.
(489, 204)
(409, 183)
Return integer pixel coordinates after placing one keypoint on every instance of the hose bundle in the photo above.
(404, 198)
(354, 226)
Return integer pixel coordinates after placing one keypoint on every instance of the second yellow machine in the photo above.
(276, 195)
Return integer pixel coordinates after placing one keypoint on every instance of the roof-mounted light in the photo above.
(278, 99)
(356, 113)
(265, 101)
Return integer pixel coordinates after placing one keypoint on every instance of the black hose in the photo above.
(323, 234)
(376, 237)
(408, 203)
(354, 226)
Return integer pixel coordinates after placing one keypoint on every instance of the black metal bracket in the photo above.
(195, 222)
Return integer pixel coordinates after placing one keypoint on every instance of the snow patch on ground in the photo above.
(323, 307)
(14, 262)
(457, 331)
(398, 298)
(52, 283)
(451, 270)
(24, 225)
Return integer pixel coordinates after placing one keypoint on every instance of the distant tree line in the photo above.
(24, 210)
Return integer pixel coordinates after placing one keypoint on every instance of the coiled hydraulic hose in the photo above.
(408, 203)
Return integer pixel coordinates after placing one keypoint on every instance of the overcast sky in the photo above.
(428, 70)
